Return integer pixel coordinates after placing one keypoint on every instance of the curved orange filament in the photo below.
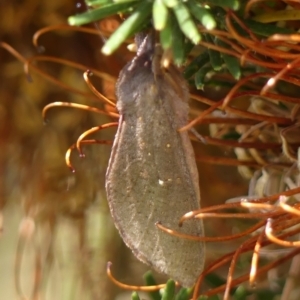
(85, 142)
(90, 131)
(240, 83)
(86, 75)
(276, 240)
(200, 117)
(44, 30)
(290, 209)
(238, 112)
(279, 76)
(132, 287)
(244, 278)
(249, 4)
(238, 162)
(211, 239)
(255, 259)
(228, 257)
(282, 66)
(69, 63)
(258, 46)
(78, 106)
(232, 267)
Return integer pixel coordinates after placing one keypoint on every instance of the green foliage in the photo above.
(232, 63)
(168, 293)
(132, 25)
(149, 280)
(185, 15)
(177, 23)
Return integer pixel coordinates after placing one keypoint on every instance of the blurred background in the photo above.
(57, 233)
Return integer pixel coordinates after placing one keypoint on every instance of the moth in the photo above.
(152, 174)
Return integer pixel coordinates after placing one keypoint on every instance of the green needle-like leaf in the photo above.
(233, 4)
(186, 23)
(184, 294)
(196, 64)
(202, 14)
(169, 292)
(215, 58)
(160, 15)
(232, 63)
(100, 13)
(200, 77)
(266, 29)
(128, 28)
(97, 2)
(214, 297)
(177, 44)
(149, 279)
(135, 296)
(165, 35)
(171, 3)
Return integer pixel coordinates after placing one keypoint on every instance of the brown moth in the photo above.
(152, 174)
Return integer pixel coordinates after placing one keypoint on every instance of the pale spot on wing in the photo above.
(178, 180)
(142, 145)
(152, 89)
(168, 146)
(161, 182)
(128, 190)
(144, 174)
